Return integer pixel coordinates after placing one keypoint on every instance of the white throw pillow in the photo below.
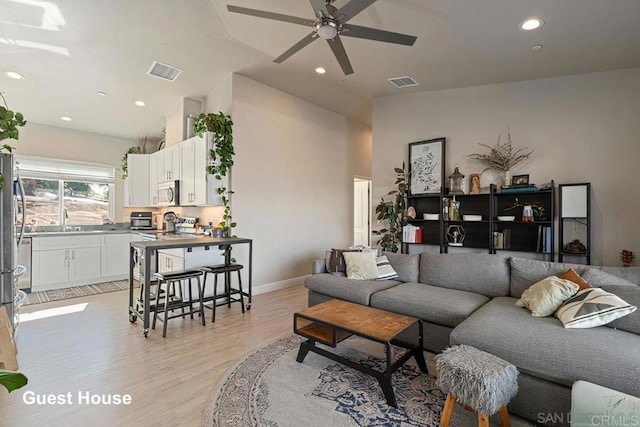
(544, 297)
(385, 270)
(592, 307)
(361, 265)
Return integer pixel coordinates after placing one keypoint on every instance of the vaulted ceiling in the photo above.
(69, 50)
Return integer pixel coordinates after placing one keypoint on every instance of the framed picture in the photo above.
(426, 166)
(520, 180)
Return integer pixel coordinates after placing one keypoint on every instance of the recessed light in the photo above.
(536, 47)
(140, 103)
(102, 93)
(320, 70)
(14, 75)
(531, 24)
(65, 118)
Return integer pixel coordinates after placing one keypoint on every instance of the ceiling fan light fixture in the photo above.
(327, 29)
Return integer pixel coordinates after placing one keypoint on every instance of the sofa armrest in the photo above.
(318, 266)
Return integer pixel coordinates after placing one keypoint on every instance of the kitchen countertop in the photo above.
(187, 241)
(76, 233)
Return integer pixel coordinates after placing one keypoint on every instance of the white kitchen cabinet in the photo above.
(153, 178)
(49, 268)
(64, 261)
(197, 186)
(115, 255)
(136, 187)
(84, 264)
(168, 164)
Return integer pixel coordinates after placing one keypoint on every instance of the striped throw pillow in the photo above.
(385, 270)
(592, 307)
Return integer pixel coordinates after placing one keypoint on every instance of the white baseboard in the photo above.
(275, 286)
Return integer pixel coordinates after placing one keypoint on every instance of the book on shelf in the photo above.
(544, 239)
(511, 189)
(502, 239)
(411, 234)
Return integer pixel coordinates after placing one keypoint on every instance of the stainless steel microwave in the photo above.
(141, 221)
(169, 193)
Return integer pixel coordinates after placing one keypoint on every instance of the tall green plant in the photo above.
(9, 123)
(125, 161)
(391, 213)
(221, 156)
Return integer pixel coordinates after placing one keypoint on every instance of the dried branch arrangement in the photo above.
(503, 156)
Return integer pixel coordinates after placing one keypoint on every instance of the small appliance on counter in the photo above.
(141, 221)
(170, 219)
(190, 225)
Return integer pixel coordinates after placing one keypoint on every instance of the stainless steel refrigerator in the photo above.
(11, 201)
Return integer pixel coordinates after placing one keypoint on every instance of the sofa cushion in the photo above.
(599, 278)
(480, 273)
(631, 294)
(631, 274)
(546, 296)
(543, 348)
(361, 265)
(447, 307)
(593, 307)
(358, 291)
(571, 274)
(407, 266)
(526, 272)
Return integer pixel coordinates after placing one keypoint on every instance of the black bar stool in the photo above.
(173, 297)
(229, 292)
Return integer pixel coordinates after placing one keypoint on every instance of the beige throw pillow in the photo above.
(546, 296)
(593, 307)
(361, 265)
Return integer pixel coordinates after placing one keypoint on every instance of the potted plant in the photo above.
(125, 161)
(9, 123)
(220, 160)
(502, 157)
(391, 213)
(12, 380)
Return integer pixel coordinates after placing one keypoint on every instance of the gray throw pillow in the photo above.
(631, 294)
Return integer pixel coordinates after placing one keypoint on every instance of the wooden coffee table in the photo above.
(334, 321)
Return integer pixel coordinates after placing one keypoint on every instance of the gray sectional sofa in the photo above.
(469, 299)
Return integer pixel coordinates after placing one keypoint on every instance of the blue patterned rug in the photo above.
(269, 388)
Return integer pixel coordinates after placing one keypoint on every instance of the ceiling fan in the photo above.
(330, 23)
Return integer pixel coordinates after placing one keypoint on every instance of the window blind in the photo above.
(68, 170)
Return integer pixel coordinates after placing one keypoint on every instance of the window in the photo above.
(59, 192)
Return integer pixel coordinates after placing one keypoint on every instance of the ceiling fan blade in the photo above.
(351, 9)
(350, 30)
(319, 8)
(341, 55)
(296, 47)
(271, 15)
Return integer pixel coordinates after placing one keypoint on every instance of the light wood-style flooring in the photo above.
(98, 350)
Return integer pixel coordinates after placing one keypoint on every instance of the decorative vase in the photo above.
(506, 178)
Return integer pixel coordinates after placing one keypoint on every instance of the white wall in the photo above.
(293, 179)
(60, 143)
(584, 128)
(221, 97)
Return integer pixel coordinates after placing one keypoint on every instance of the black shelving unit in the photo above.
(524, 236)
(575, 220)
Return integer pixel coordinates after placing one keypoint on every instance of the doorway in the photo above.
(362, 211)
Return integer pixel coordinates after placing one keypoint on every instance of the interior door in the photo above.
(361, 212)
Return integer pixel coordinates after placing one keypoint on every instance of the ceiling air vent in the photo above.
(404, 81)
(164, 71)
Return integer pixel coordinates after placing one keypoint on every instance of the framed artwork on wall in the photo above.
(426, 166)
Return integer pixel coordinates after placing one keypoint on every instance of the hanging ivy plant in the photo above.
(9, 123)
(125, 161)
(221, 157)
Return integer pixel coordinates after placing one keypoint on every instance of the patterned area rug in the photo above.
(269, 388)
(75, 292)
